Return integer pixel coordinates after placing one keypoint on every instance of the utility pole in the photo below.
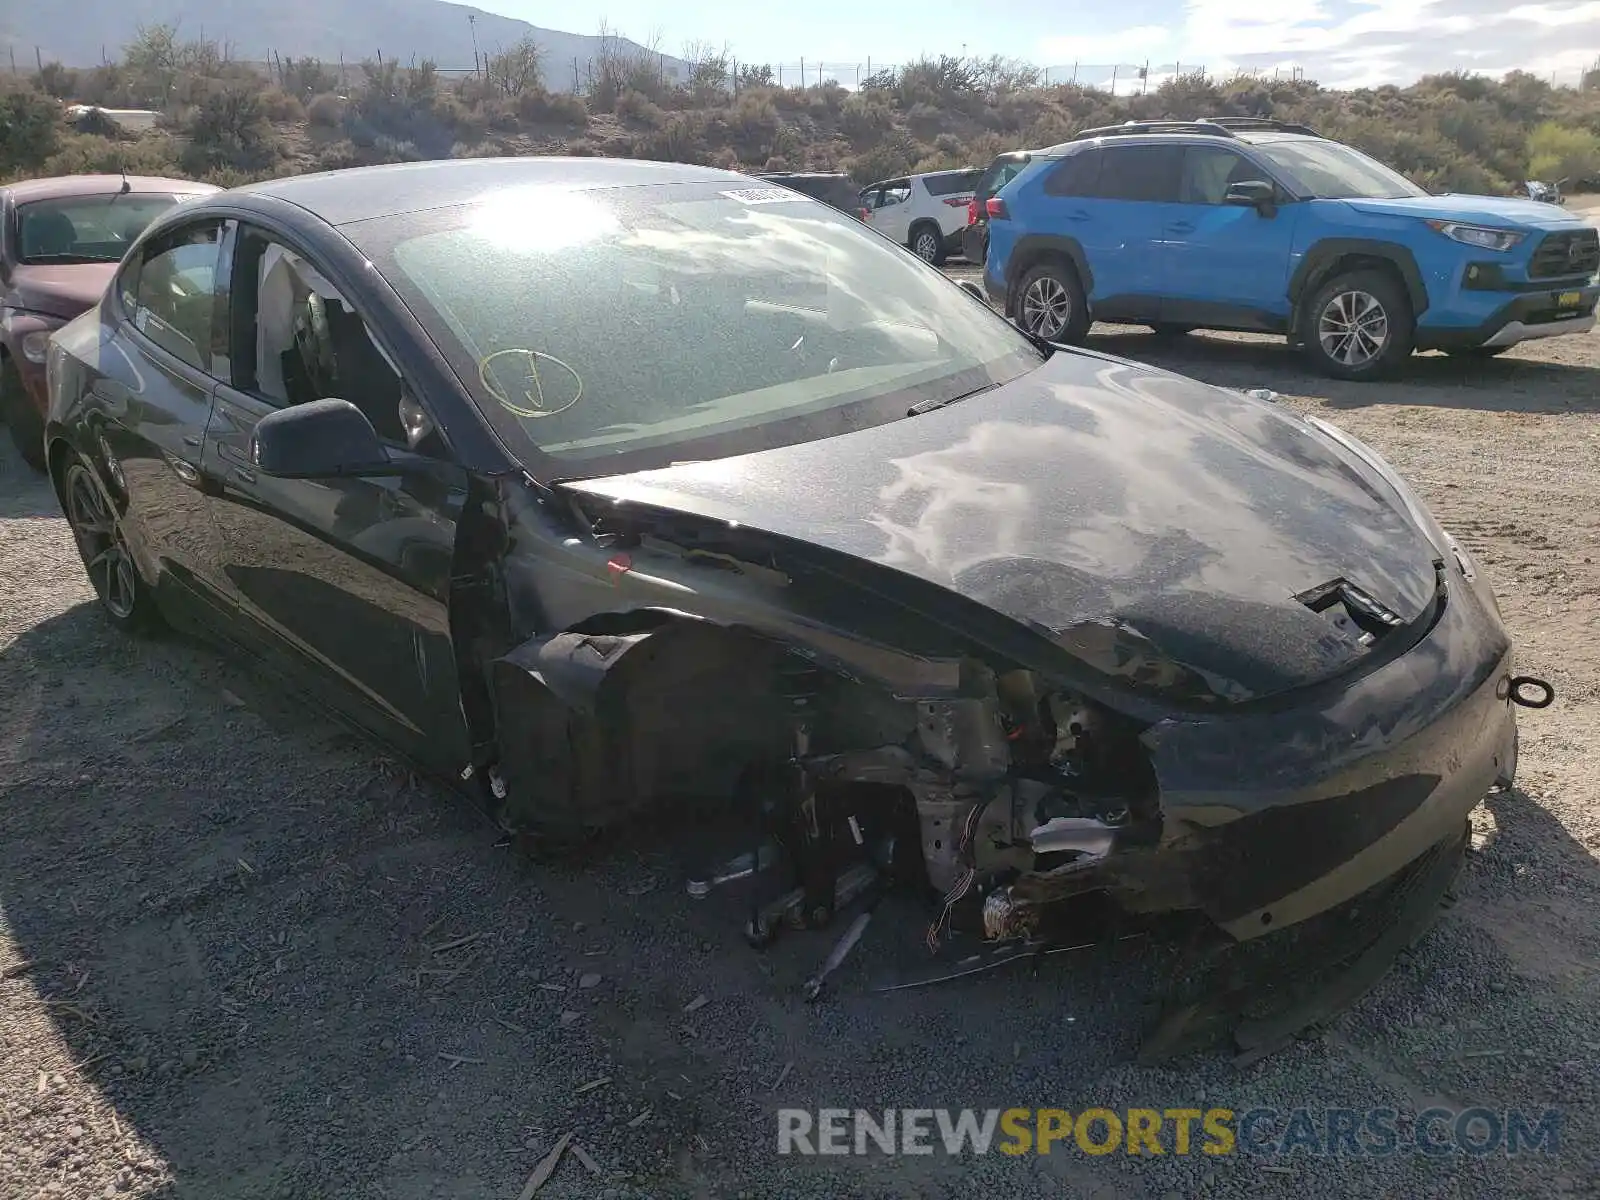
(472, 21)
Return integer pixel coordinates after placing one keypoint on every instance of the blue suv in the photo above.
(1261, 226)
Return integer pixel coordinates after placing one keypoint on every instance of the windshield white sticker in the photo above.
(762, 195)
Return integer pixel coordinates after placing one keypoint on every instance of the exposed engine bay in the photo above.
(967, 795)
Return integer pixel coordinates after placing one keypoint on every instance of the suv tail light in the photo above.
(863, 213)
(957, 201)
(996, 208)
(972, 211)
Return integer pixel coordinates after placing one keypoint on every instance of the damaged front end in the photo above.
(870, 733)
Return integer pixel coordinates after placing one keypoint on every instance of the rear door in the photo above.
(1120, 228)
(1223, 264)
(892, 216)
(1111, 201)
(951, 192)
(345, 583)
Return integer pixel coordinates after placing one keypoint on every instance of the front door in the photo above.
(892, 216)
(1223, 264)
(154, 378)
(342, 581)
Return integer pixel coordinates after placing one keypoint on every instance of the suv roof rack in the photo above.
(1262, 123)
(1135, 128)
(1209, 126)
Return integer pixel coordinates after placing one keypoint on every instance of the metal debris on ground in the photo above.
(697, 1003)
(582, 1156)
(592, 1084)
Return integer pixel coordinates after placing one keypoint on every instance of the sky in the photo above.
(1340, 43)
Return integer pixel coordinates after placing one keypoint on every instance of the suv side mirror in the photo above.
(1252, 193)
(324, 439)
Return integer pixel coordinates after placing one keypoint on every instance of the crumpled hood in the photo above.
(1157, 527)
(59, 291)
(1501, 211)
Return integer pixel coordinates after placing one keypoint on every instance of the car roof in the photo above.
(62, 186)
(1249, 137)
(361, 193)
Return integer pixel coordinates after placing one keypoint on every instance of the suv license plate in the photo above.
(1568, 299)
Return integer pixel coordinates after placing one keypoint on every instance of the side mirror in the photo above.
(972, 289)
(1252, 193)
(324, 439)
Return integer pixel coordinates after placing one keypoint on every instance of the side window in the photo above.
(1075, 175)
(1208, 172)
(897, 192)
(128, 286)
(174, 293)
(296, 339)
(1140, 173)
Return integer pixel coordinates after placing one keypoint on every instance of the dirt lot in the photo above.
(264, 962)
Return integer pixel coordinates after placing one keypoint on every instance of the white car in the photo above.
(927, 212)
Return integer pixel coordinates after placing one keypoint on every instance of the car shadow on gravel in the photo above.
(1508, 384)
(291, 968)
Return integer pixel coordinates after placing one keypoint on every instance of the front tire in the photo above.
(1050, 304)
(124, 596)
(927, 243)
(1358, 326)
(21, 418)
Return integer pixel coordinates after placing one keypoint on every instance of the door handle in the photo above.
(1181, 227)
(244, 474)
(1078, 214)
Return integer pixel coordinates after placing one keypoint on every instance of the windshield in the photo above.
(85, 229)
(622, 329)
(1330, 171)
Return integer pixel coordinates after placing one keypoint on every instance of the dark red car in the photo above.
(60, 242)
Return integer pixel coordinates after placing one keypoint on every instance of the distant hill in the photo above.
(78, 33)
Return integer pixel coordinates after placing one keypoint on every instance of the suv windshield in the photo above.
(621, 329)
(1329, 171)
(85, 229)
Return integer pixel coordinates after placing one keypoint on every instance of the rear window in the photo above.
(951, 183)
(621, 329)
(836, 190)
(998, 175)
(86, 229)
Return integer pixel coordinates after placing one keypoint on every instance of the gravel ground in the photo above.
(242, 955)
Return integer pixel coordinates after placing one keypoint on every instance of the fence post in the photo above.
(802, 70)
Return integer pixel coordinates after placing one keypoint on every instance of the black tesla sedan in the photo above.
(702, 490)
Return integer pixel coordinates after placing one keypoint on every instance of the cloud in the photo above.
(1348, 43)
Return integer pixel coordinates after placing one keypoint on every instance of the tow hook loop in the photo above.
(1531, 693)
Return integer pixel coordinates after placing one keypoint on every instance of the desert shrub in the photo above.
(1556, 151)
(540, 107)
(865, 118)
(85, 154)
(632, 105)
(280, 106)
(30, 130)
(326, 111)
(230, 129)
